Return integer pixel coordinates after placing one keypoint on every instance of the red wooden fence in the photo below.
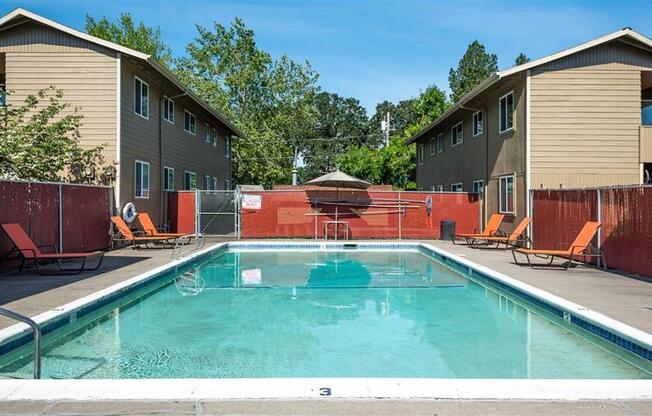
(625, 214)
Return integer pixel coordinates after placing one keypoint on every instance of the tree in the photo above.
(270, 100)
(138, 37)
(340, 123)
(521, 59)
(473, 68)
(39, 141)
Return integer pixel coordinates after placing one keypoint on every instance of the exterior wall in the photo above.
(487, 156)
(38, 57)
(585, 118)
(180, 150)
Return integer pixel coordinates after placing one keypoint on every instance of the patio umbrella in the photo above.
(339, 180)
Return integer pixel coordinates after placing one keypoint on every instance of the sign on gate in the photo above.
(252, 201)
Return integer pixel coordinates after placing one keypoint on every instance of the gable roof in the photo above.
(623, 34)
(20, 16)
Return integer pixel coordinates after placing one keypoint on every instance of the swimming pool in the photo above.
(374, 310)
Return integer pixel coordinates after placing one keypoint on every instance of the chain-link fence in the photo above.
(217, 213)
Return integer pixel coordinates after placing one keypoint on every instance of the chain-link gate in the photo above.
(217, 213)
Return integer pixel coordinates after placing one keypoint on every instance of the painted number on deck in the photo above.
(325, 391)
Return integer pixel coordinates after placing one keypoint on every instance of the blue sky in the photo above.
(375, 50)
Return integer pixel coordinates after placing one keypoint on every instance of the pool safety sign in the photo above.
(252, 277)
(252, 201)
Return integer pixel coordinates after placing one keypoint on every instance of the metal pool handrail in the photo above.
(200, 242)
(37, 337)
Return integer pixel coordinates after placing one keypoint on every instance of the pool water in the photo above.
(348, 313)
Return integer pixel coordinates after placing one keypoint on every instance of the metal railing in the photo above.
(184, 240)
(37, 337)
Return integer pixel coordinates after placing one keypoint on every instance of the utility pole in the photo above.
(385, 126)
(295, 171)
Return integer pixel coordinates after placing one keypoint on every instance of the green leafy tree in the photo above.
(39, 141)
(135, 36)
(270, 100)
(521, 59)
(473, 68)
(340, 123)
(401, 115)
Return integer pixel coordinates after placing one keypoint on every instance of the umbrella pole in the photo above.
(337, 203)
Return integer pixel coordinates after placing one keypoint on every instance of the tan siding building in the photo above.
(124, 97)
(577, 122)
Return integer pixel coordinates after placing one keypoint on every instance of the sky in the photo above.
(374, 50)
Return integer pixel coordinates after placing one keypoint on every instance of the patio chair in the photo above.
(490, 230)
(137, 240)
(516, 237)
(31, 252)
(151, 231)
(581, 247)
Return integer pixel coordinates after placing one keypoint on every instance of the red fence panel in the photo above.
(181, 212)
(290, 214)
(85, 216)
(626, 215)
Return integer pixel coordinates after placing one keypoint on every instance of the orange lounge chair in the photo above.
(490, 230)
(150, 229)
(579, 248)
(517, 236)
(30, 251)
(137, 241)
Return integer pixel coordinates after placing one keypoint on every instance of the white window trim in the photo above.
(478, 181)
(474, 124)
(214, 136)
(460, 184)
(227, 184)
(184, 179)
(169, 113)
(207, 182)
(452, 129)
(227, 147)
(420, 154)
(214, 183)
(443, 143)
(513, 109)
(500, 193)
(207, 133)
(184, 123)
(141, 95)
(149, 172)
(165, 177)
(433, 146)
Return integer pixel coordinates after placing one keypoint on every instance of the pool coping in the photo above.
(360, 388)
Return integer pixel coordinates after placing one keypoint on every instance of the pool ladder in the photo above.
(37, 337)
(200, 241)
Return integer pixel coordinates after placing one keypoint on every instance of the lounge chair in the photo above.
(490, 230)
(516, 237)
(150, 229)
(581, 247)
(30, 251)
(138, 241)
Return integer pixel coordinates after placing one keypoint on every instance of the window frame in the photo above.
(501, 208)
(144, 190)
(186, 112)
(214, 136)
(420, 154)
(207, 133)
(433, 146)
(166, 182)
(167, 103)
(643, 102)
(475, 124)
(476, 182)
(207, 182)
(460, 184)
(214, 183)
(461, 123)
(500, 112)
(142, 83)
(440, 140)
(227, 147)
(194, 176)
(227, 184)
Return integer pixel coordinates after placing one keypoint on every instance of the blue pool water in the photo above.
(349, 313)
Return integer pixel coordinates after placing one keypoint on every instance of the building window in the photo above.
(141, 179)
(141, 98)
(189, 180)
(457, 134)
(432, 145)
(207, 133)
(457, 187)
(214, 136)
(478, 186)
(646, 111)
(168, 179)
(168, 110)
(227, 147)
(214, 183)
(478, 123)
(506, 112)
(440, 143)
(227, 184)
(506, 194)
(420, 151)
(207, 183)
(189, 122)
